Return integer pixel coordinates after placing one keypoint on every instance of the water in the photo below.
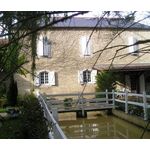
(99, 126)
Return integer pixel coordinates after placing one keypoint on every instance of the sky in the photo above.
(140, 15)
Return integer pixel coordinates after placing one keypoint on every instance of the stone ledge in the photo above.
(130, 118)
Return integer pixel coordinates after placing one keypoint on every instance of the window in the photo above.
(87, 76)
(133, 49)
(85, 46)
(45, 78)
(43, 46)
(46, 47)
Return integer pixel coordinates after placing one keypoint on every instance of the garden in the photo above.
(21, 117)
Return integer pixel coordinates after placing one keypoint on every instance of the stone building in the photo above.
(71, 53)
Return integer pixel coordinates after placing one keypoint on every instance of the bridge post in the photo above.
(113, 98)
(106, 96)
(126, 102)
(80, 114)
(145, 106)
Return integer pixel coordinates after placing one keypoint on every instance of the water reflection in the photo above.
(99, 126)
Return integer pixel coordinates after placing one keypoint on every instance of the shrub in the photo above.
(12, 93)
(67, 102)
(105, 80)
(3, 102)
(2, 90)
(34, 123)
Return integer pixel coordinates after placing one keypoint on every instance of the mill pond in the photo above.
(98, 125)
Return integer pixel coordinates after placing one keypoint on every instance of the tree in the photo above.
(105, 80)
(16, 28)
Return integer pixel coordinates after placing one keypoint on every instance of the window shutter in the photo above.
(132, 40)
(88, 46)
(52, 78)
(40, 46)
(83, 45)
(136, 47)
(49, 50)
(93, 76)
(80, 77)
(36, 79)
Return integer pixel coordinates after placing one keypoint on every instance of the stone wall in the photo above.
(66, 58)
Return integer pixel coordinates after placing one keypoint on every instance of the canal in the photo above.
(98, 125)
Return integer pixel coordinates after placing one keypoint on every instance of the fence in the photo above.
(134, 99)
(141, 100)
(55, 130)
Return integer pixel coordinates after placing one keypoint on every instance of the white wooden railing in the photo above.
(138, 100)
(141, 100)
(55, 130)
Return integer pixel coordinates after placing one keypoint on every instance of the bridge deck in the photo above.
(61, 108)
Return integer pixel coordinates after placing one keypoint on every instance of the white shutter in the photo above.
(40, 46)
(36, 79)
(93, 76)
(51, 78)
(132, 40)
(85, 46)
(136, 47)
(80, 77)
(88, 46)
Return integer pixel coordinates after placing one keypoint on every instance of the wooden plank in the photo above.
(134, 94)
(76, 94)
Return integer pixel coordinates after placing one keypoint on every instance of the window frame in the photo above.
(87, 76)
(45, 78)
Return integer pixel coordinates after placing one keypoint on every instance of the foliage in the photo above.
(67, 102)
(106, 80)
(2, 90)
(132, 109)
(135, 110)
(30, 124)
(11, 129)
(120, 106)
(12, 93)
(3, 102)
(19, 27)
(33, 121)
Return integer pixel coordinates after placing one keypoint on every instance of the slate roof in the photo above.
(104, 23)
